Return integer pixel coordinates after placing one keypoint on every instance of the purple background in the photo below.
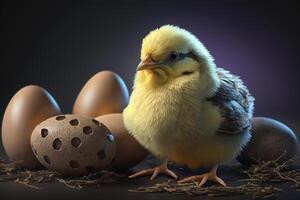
(60, 45)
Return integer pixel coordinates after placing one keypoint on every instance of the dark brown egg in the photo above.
(28, 107)
(104, 93)
(128, 151)
(270, 139)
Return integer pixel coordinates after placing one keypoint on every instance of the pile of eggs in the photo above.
(35, 132)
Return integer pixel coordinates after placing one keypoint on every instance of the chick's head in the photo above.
(169, 53)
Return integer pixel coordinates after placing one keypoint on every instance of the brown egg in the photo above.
(104, 93)
(129, 152)
(28, 107)
(73, 145)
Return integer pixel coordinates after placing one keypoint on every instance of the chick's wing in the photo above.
(235, 103)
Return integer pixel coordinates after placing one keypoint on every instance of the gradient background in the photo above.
(60, 45)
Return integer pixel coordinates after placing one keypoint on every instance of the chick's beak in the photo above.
(148, 63)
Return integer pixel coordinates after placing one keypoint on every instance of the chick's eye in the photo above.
(173, 55)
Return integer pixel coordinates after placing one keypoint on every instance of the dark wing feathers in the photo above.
(235, 103)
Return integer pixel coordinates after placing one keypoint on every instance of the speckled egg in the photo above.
(270, 139)
(73, 145)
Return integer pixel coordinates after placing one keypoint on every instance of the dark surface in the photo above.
(119, 190)
(59, 45)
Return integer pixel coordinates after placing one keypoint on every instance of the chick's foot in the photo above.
(202, 179)
(162, 169)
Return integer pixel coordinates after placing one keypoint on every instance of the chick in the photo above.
(185, 109)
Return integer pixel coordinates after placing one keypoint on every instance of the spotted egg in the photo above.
(73, 145)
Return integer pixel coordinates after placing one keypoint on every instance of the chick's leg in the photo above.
(211, 176)
(162, 169)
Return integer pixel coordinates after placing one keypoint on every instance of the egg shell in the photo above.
(104, 93)
(73, 145)
(270, 140)
(27, 108)
(128, 151)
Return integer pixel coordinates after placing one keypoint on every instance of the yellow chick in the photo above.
(185, 109)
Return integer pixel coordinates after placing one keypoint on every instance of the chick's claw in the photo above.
(162, 169)
(202, 179)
